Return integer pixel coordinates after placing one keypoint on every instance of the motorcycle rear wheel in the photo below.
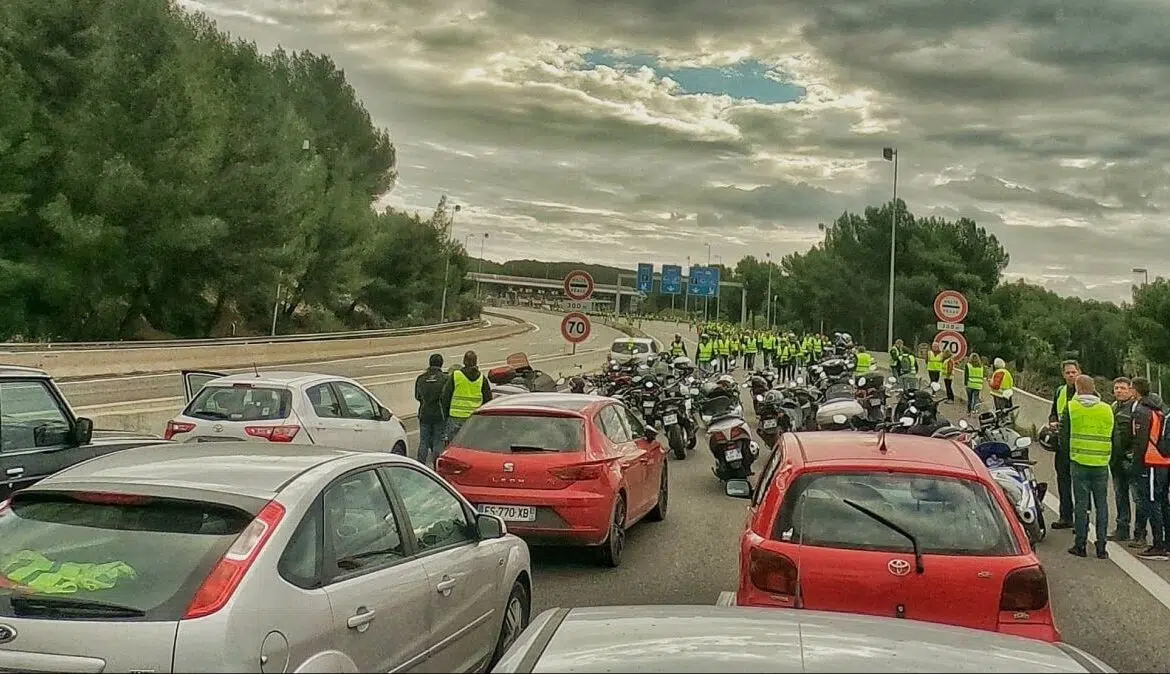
(678, 445)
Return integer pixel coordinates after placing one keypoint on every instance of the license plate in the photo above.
(670, 419)
(510, 513)
(687, 403)
(648, 404)
(769, 423)
(733, 455)
(874, 402)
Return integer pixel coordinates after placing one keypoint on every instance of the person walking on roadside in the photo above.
(948, 378)
(428, 391)
(1086, 428)
(1071, 369)
(1121, 461)
(1152, 454)
(465, 391)
(973, 381)
(1002, 386)
(935, 358)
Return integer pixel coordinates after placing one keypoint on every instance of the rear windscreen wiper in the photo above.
(530, 448)
(918, 567)
(56, 605)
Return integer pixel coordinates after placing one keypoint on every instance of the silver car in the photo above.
(238, 556)
(680, 639)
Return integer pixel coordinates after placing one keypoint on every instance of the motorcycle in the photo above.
(1018, 481)
(729, 437)
(840, 402)
(871, 395)
(922, 408)
(673, 411)
(777, 412)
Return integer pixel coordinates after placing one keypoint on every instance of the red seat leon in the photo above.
(560, 469)
(889, 525)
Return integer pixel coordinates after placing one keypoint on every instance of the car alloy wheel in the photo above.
(615, 543)
(516, 614)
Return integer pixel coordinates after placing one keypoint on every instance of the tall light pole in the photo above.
(447, 273)
(1145, 282)
(707, 300)
(718, 295)
(891, 154)
(482, 243)
(687, 293)
(768, 309)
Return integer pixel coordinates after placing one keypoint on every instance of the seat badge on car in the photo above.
(7, 633)
(509, 467)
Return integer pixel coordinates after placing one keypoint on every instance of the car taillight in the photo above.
(5, 506)
(581, 472)
(1024, 589)
(448, 466)
(223, 580)
(106, 498)
(176, 427)
(273, 433)
(772, 572)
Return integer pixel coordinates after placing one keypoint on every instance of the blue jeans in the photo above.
(453, 426)
(972, 400)
(431, 438)
(1090, 482)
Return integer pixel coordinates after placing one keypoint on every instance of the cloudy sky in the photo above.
(621, 131)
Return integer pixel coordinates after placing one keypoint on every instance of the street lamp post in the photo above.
(482, 243)
(768, 309)
(687, 292)
(718, 287)
(891, 154)
(1145, 282)
(707, 300)
(447, 274)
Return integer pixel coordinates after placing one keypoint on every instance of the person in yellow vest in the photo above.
(1086, 428)
(896, 351)
(1070, 369)
(705, 353)
(948, 377)
(936, 360)
(751, 346)
(1001, 385)
(466, 391)
(864, 362)
(973, 380)
(678, 347)
(723, 350)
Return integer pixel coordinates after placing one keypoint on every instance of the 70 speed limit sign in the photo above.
(954, 342)
(575, 327)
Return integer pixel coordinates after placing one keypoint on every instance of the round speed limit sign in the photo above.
(954, 342)
(575, 327)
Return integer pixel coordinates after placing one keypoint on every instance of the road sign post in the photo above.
(575, 328)
(954, 342)
(579, 286)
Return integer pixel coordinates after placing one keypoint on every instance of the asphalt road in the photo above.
(692, 556)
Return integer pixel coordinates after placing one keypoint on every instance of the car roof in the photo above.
(276, 378)
(246, 469)
(7, 370)
(912, 453)
(742, 639)
(546, 402)
(639, 340)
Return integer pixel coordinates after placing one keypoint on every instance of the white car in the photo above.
(303, 408)
(631, 349)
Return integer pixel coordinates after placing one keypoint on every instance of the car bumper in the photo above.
(563, 516)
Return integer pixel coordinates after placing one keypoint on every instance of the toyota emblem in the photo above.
(218, 428)
(509, 467)
(899, 567)
(7, 633)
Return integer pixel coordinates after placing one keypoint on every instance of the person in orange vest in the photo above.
(1153, 451)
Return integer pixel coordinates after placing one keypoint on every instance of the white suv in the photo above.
(288, 407)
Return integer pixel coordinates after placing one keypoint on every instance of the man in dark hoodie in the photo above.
(1086, 428)
(1150, 479)
(465, 391)
(1071, 369)
(1121, 462)
(428, 391)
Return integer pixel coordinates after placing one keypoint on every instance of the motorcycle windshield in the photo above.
(838, 392)
(997, 453)
(719, 406)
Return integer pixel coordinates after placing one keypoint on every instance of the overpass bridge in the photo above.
(616, 291)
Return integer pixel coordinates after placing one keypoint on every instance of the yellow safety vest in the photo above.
(468, 395)
(1006, 385)
(677, 348)
(750, 345)
(706, 351)
(974, 378)
(1091, 433)
(723, 347)
(934, 362)
(1062, 400)
(864, 363)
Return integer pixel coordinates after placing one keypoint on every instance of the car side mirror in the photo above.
(82, 431)
(490, 527)
(738, 488)
(561, 381)
(384, 414)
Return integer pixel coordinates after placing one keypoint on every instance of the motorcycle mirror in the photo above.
(935, 386)
(893, 380)
(561, 381)
(964, 425)
(906, 422)
(861, 381)
(1023, 442)
(649, 384)
(759, 398)
(840, 418)
(800, 381)
(912, 410)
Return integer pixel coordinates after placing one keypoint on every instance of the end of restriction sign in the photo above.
(579, 285)
(575, 327)
(950, 306)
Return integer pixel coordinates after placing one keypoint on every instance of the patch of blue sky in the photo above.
(748, 79)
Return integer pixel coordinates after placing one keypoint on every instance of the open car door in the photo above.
(194, 380)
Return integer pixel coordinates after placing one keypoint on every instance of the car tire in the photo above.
(399, 448)
(517, 612)
(615, 541)
(659, 512)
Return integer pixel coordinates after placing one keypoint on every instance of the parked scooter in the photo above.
(1018, 481)
(777, 412)
(729, 436)
(673, 411)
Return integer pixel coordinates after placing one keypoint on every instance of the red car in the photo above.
(560, 469)
(889, 525)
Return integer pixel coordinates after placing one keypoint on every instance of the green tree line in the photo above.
(161, 178)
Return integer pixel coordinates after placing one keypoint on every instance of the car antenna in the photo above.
(882, 441)
(255, 369)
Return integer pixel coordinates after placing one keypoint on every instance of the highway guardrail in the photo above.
(19, 347)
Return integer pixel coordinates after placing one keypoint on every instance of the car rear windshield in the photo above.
(623, 346)
(502, 432)
(948, 516)
(240, 403)
(94, 556)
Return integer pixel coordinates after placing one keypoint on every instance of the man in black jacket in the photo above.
(1152, 505)
(1063, 464)
(428, 391)
(1121, 461)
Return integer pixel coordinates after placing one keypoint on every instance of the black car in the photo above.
(40, 434)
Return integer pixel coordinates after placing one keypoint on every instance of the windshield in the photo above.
(240, 403)
(146, 554)
(628, 347)
(948, 516)
(501, 432)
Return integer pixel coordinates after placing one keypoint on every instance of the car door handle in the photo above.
(363, 617)
(445, 586)
(15, 472)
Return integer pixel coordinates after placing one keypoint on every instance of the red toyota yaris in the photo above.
(889, 525)
(560, 469)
